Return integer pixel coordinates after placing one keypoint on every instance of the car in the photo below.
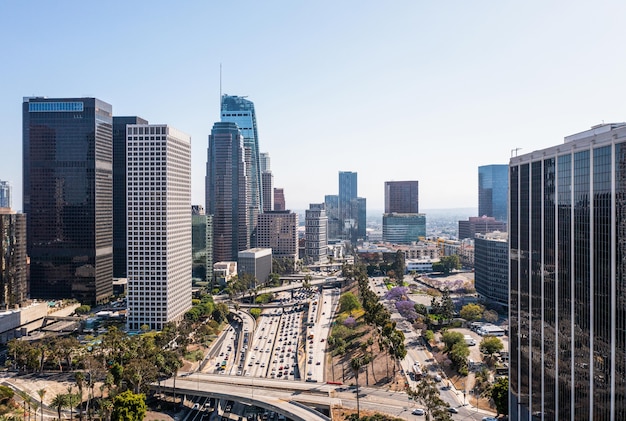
(196, 406)
(453, 410)
(318, 363)
(322, 340)
(239, 373)
(418, 411)
(489, 419)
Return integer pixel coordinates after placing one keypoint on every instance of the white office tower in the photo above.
(159, 225)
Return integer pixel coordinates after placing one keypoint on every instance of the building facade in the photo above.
(267, 179)
(5, 194)
(316, 234)
(239, 110)
(279, 199)
(278, 230)
(567, 300)
(159, 225)
(68, 197)
(403, 228)
(479, 225)
(256, 262)
(401, 197)
(226, 192)
(119, 192)
(13, 259)
(493, 186)
(201, 247)
(491, 267)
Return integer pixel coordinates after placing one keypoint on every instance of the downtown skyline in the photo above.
(401, 92)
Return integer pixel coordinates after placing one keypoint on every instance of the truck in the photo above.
(469, 340)
(417, 371)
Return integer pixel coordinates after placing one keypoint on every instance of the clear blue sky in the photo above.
(395, 90)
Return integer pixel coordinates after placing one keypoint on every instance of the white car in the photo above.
(418, 411)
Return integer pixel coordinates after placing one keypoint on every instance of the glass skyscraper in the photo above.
(493, 184)
(239, 110)
(119, 192)
(68, 197)
(567, 300)
(227, 191)
(5, 194)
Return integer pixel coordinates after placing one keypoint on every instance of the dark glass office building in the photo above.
(227, 191)
(68, 197)
(493, 184)
(567, 300)
(401, 196)
(119, 192)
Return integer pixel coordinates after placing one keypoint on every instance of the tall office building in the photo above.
(402, 222)
(351, 209)
(491, 267)
(279, 199)
(278, 230)
(159, 225)
(401, 197)
(5, 194)
(493, 185)
(268, 189)
(316, 234)
(347, 194)
(119, 192)
(331, 203)
(226, 191)
(68, 197)
(239, 110)
(265, 162)
(13, 263)
(479, 225)
(567, 300)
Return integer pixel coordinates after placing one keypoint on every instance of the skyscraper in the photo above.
(239, 110)
(159, 225)
(5, 194)
(567, 300)
(493, 184)
(265, 162)
(491, 267)
(402, 222)
(316, 234)
(268, 190)
(401, 197)
(119, 192)
(202, 246)
(279, 199)
(226, 191)
(68, 197)
(350, 208)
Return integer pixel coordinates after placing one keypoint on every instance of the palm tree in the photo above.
(70, 400)
(59, 402)
(79, 376)
(41, 393)
(355, 364)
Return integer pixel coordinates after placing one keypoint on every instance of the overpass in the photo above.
(285, 397)
(294, 399)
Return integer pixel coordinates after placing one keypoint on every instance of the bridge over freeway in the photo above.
(296, 400)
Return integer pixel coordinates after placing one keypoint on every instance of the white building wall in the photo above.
(159, 225)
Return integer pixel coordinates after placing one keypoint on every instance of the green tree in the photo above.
(41, 393)
(79, 377)
(129, 406)
(500, 395)
(458, 355)
(255, 312)
(428, 335)
(427, 395)
(472, 312)
(6, 394)
(348, 302)
(59, 402)
(490, 345)
(84, 309)
(450, 338)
